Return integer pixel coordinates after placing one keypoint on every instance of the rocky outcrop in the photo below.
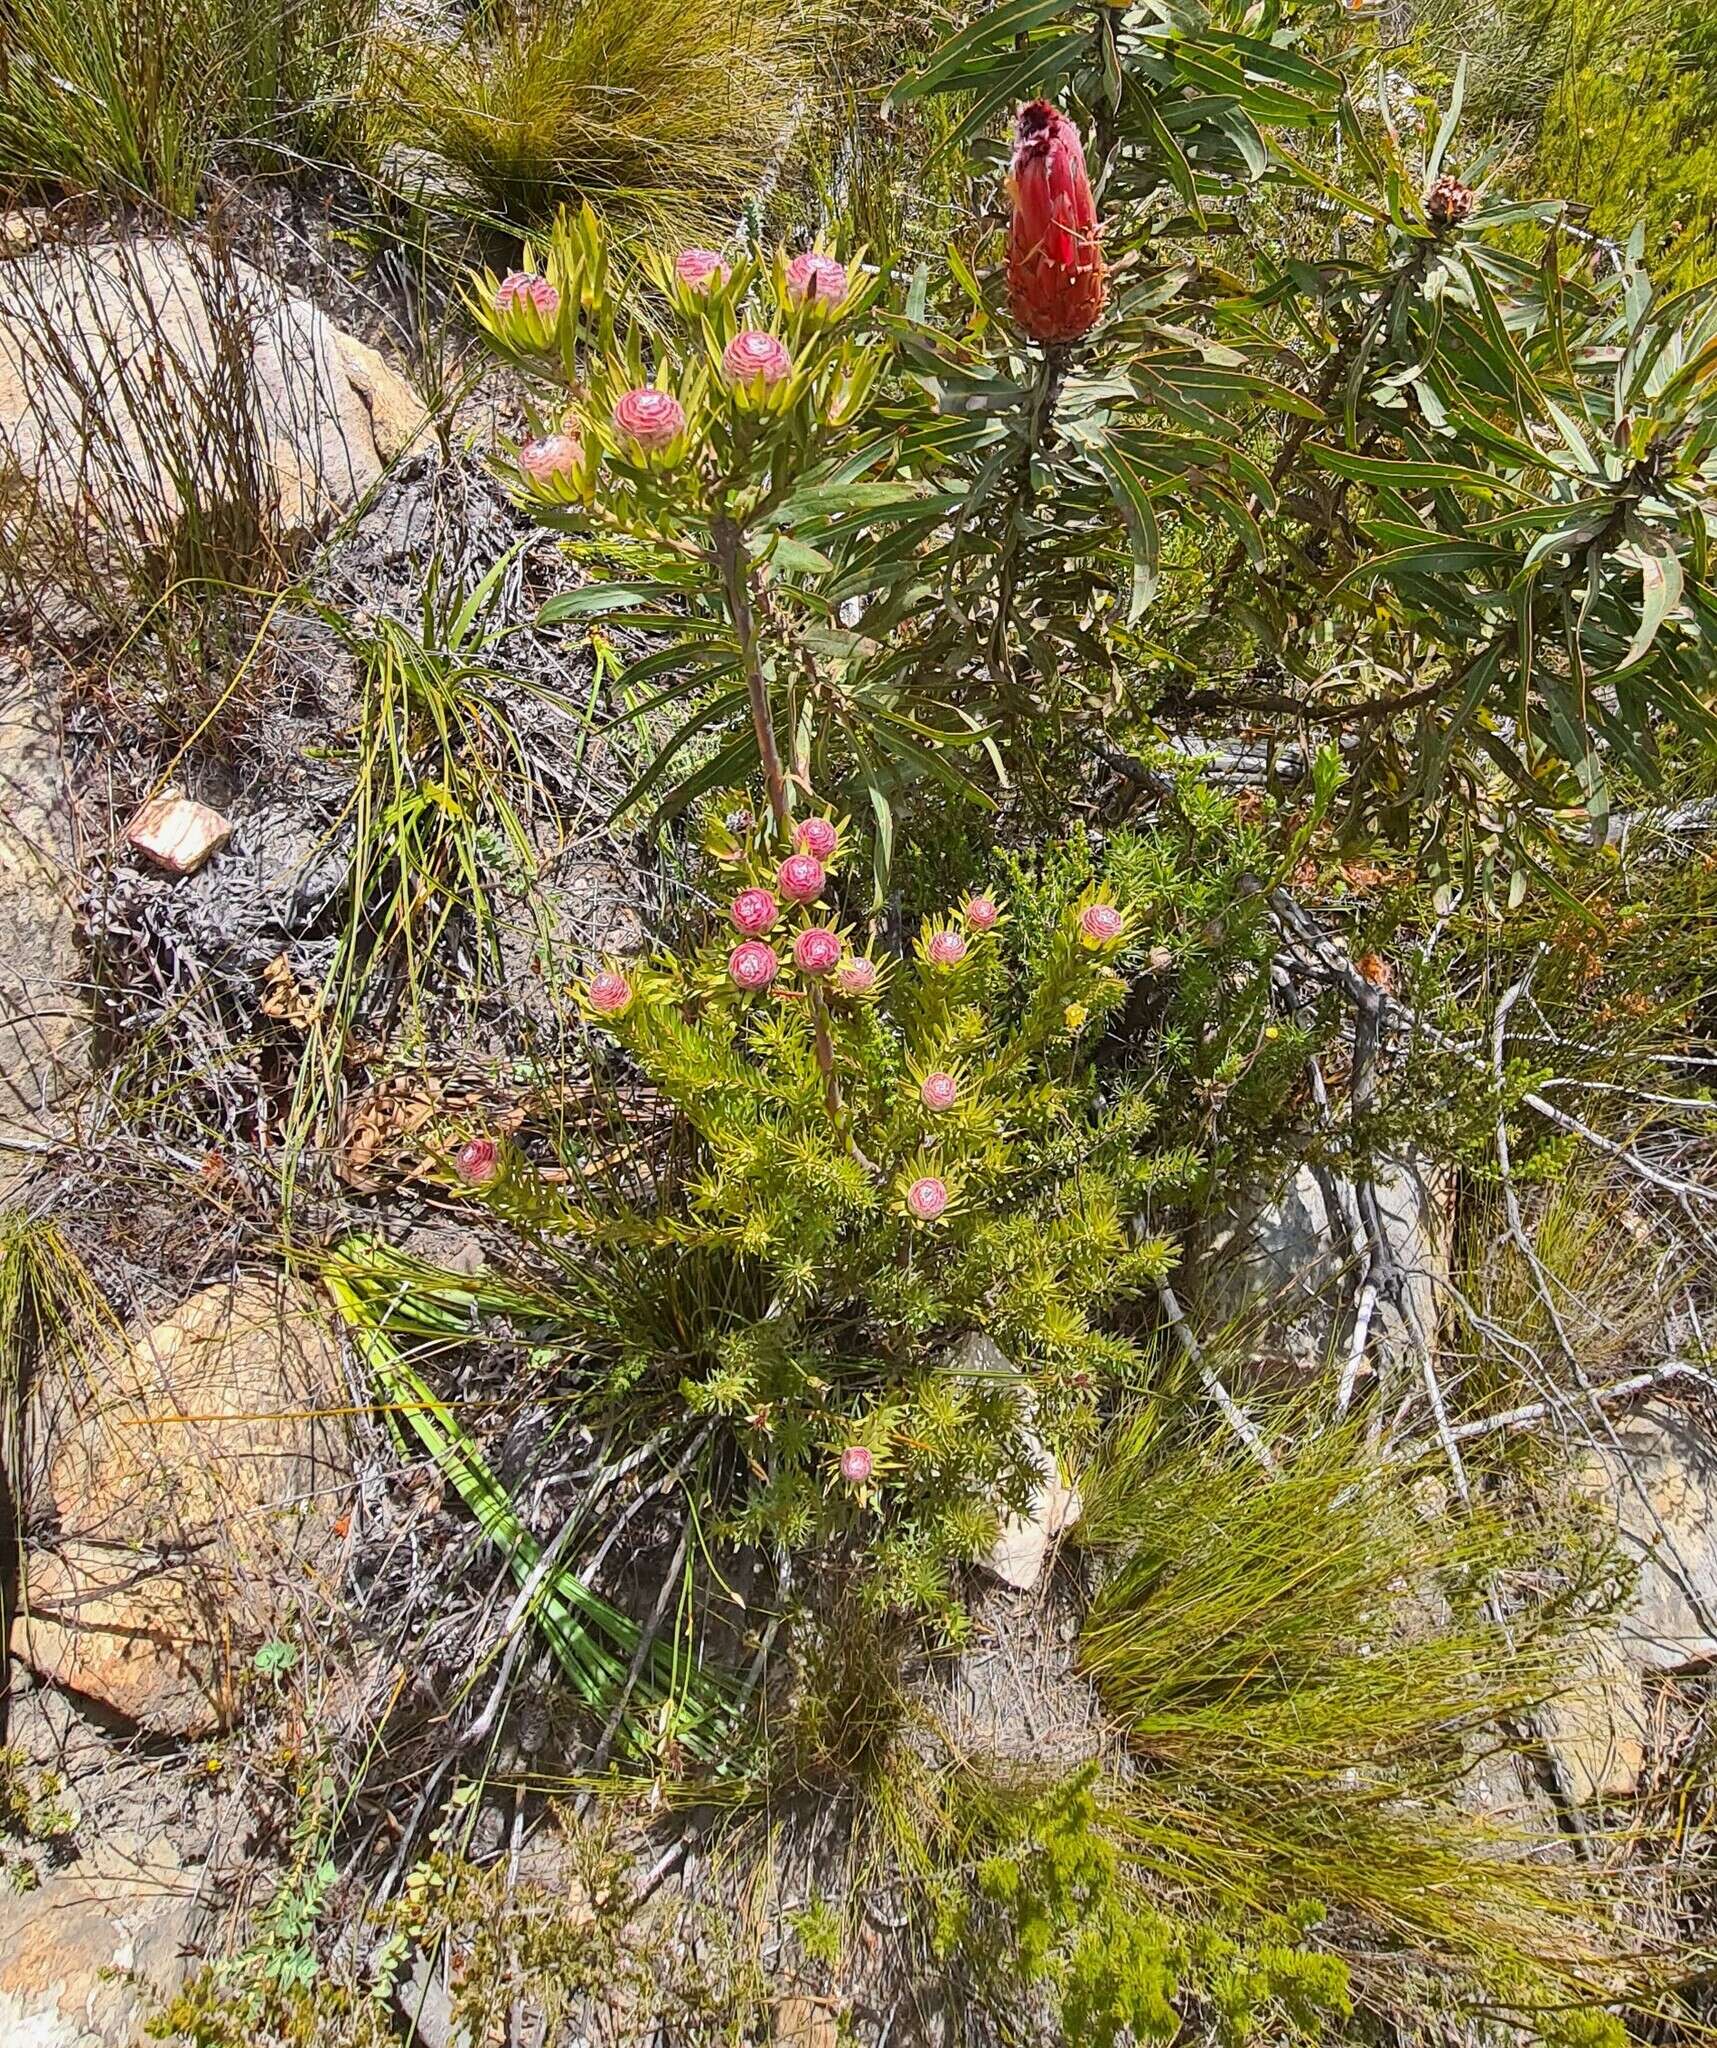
(196, 1475)
(43, 1022)
(143, 381)
(88, 1956)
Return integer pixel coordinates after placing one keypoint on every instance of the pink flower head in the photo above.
(609, 993)
(700, 269)
(816, 950)
(856, 977)
(801, 878)
(816, 836)
(1056, 284)
(754, 912)
(477, 1161)
(982, 913)
(947, 948)
(1100, 924)
(940, 1091)
(650, 419)
(555, 458)
(816, 280)
(753, 965)
(856, 1464)
(520, 288)
(753, 357)
(927, 1198)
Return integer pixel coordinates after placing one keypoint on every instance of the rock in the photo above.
(1022, 1543)
(196, 1478)
(805, 2023)
(397, 414)
(1659, 1479)
(139, 379)
(86, 1958)
(43, 1023)
(176, 833)
(1598, 1726)
(1282, 1270)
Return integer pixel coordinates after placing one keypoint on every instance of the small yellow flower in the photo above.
(1074, 1016)
(1270, 1031)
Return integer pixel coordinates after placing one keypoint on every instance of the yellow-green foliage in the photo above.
(664, 117)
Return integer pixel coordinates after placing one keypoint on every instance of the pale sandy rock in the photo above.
(44, 1024)
(1598, 1727)
(215, 1444)
(397, 415)
(1023, 1540)
(140, 378)
(1659, 1479)
(177, 833)
(89, 1956)
(805, 2023)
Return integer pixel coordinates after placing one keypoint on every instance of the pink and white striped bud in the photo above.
(650, 419)
(927, 1198)
(477, 1162)
(982, 913)
(856, 977)
(947, 949)
(753, 965)
(609, 993)
(552, 461)
(817, 950)
(856, 1464)
(940, 1091)
(755, 358)
(700, 270)
(814, 280)
(801, 878)
(816, 836)
(1100, 924)
(519, 290)
(754, 912)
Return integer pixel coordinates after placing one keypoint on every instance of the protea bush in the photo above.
(877, 1157)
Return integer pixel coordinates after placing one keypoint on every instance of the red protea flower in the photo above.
(856, 977)
(946, 949)
(817, 950)
(1056, 285)
(982, 913)
(554, 459)
(477, 1161)
(609, 992)
(801, 878)
(754, 912)
(815, 836)
(753, 965)
(753, 357)
(940, 1091)
(700, 269)
(856, 1464)
(519, 288)
(1100, 924)
(816, 280)
(650, 419)
(927, 1198)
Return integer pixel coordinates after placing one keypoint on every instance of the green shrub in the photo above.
(135, 99)
(663, 117)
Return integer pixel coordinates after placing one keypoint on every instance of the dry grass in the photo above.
(664, 117)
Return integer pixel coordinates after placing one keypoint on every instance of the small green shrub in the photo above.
(664, 118)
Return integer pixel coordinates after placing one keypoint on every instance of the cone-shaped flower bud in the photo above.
(855, 1464)
(940, 1091)
(753, 966)
(927, 1198)
(609, 993)
(817, 950)
(477, 1161)
(754, 912)
(856, 977)
(946, 949)
(1100, 924)
(801, 878)
(982, 913)
(700, 270)
(815, 836)
(650, 419)
(816, 280)
(1056, 284)
(1448, 203)
(753, 357)
(553, 461)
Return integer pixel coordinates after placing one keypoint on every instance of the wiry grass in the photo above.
(664, 117)
(1306, 1669)
(136, 99)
